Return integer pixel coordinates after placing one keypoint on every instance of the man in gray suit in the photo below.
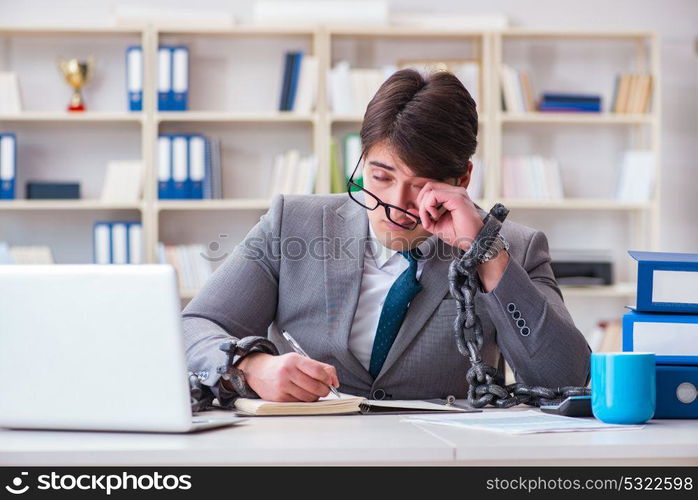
(361, 279)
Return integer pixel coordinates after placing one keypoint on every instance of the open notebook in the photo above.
(331, 405)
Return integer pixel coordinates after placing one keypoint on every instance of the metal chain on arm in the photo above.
(485, 385)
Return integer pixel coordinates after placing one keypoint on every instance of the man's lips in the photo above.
(392, 225)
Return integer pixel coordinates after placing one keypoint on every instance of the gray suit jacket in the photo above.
(299, 269)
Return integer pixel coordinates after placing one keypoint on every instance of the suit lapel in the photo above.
(345, 232)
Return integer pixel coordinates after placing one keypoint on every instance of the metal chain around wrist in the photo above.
(485, 384)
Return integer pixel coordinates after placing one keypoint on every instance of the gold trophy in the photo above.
(77, 74)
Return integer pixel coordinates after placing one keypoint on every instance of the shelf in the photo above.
(230, 204)
(577, 118)
(65, 205)
(573, 204)
(579, 34)
(360, 118)
(619, 290)
(387, 31)
(69, 30)
(64, 116)
(325, 42)
(240, 30)
(233, 117)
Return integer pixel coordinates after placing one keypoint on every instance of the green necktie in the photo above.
(394, 310)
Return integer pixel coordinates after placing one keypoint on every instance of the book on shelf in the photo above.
(8, 166)
(19, 254)
(569, 102)
(338, 183)
(636, 177)
(123, 182)
(117, 242)
(189, 167)
(331, 405)
(40, 190)
(134, 77)
(632, 93)
(351, 89)
(517, 91)
(531, 177)
(10, 101)
(466, 70)
(299, 83)
(306, 94)
(172, 78)
(175, 96)
(293, 173)
(190, 262)
(352, 152)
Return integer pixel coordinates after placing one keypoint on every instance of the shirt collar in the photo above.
(382, 254)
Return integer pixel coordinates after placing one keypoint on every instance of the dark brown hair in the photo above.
(430, 121)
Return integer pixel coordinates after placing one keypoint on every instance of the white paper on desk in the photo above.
(519, 422)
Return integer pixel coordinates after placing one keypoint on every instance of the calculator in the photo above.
(573, 406)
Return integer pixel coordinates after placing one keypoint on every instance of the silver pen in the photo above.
(300, 351)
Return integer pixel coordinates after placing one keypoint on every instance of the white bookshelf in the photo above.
(83, 204)
(242, 113)
(88, 116)
(578, 118)
(250, 117)
(207, 205)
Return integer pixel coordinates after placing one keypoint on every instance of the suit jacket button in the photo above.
(379, 394)
(521, 323)
(511, 307)
(516, 314)
(525, 331)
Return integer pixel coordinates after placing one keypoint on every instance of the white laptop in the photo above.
(94, 347)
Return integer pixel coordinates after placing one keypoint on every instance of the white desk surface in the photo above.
(355, 439)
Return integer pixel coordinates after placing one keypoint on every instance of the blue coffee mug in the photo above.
(623, 387)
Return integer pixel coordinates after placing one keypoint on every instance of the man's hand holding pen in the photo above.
(289, 377)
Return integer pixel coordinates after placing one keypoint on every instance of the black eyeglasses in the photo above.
(371, 202)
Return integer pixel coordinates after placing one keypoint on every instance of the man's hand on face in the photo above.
(448, 212)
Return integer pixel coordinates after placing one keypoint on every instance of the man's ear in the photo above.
(464, 180)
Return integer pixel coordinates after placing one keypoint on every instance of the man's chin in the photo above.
(395, 237)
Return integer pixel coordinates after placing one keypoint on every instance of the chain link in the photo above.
(485, 385)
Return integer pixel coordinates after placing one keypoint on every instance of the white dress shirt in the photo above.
(382, 266)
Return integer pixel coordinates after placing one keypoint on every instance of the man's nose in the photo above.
(404, 199)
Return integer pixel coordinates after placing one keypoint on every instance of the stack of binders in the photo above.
(189, 167)
(119, 242)
(665, 321)
(8, 166)
(172, 78)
